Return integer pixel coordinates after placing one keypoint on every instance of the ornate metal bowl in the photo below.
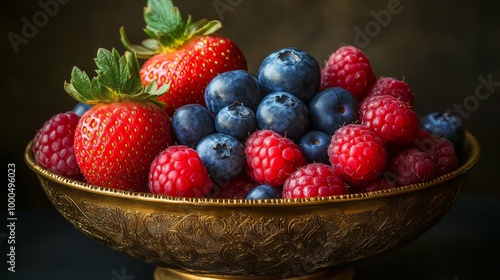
(255, 239)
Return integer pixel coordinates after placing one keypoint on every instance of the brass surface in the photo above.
(257, 239)
(335, 273)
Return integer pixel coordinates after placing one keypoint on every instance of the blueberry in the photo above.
(231, 86)
(80, 108)
(332, 108)
(315, 144)
(236, 120)
(290, 70)
(263, 192)
(223, 156)
(191, 123)
(445, 125)
(283, 113)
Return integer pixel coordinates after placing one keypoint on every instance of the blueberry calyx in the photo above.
(289, 57)
(238, 110)
(341, 110)
(285, 101)
(222, 151)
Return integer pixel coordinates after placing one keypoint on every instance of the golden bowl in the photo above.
(208, 238)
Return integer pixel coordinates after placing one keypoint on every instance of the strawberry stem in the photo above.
(166, 29)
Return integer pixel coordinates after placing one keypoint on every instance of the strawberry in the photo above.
(116, 140)
(186, 55)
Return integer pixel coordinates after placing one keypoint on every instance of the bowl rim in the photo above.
(471, 147)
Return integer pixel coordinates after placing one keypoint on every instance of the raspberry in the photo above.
(271, 157)
(238, 188)
(411, 166)
(357, 154)
(440, 149)
(178, 171)
(392, 119)
(382, 182)
(392, 86)
(313, 180)
(53, 144)
(348, 68)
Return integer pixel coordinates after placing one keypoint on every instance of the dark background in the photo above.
(442, 50)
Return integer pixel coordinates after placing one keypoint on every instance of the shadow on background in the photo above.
(447, 52)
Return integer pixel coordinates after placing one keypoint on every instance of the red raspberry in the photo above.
(382, 182)
(313, 180)
(238, 188)
(271, 157)
(348, 68)
(357, 154)
(392, 119)
(53, 144)
(392, 86)
(440, 149)
(411, 166)
(178, 171)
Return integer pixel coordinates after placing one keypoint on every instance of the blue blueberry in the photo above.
(236, 120)
(446, 125)
(80, 108)
(333, 108)
(283, 113)
(223, 156)
(315, 144)
(263, 192)
(192, 122)
(290, 70)
(231, 86)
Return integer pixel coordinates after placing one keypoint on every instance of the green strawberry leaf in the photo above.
(146, 50)
(163, 21)
(153, 89)
(117, 79)
(118, 73)
(166, 29)
(204, 27)
(82, 88)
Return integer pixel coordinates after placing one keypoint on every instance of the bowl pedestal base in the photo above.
(338, 273)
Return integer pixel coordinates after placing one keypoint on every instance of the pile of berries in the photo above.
(292, 130)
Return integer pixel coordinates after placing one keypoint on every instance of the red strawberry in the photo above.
(186, 55)
(118, 138)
